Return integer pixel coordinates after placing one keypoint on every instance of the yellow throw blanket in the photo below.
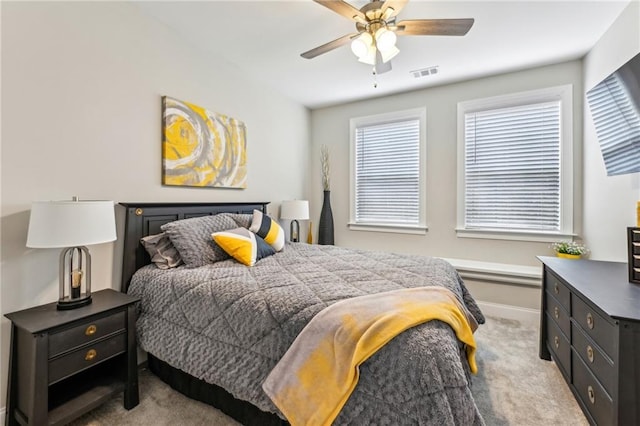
(315, 377)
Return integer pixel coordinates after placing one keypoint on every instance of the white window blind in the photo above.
(387, 173)
(512, 168)
(617, 122)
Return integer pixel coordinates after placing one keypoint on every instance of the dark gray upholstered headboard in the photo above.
(142, 219)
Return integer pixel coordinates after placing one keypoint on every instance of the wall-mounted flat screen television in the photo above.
(615, 109)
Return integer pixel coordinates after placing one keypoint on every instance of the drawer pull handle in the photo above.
(90, 355)
(91, 330)
(590, 353)
(590, 320)
(556, 341)
(592, 394)
(556, 288)
(556, 312)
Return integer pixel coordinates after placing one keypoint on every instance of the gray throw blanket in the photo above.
(229, 324)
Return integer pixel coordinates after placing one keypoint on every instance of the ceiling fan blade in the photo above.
(329, 46)
(344, 9)
(395, 6)
(448, 27)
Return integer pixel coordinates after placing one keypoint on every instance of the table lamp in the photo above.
(72, 225)
(294, 210)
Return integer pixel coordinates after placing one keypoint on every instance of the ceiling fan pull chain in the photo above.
(375, 78)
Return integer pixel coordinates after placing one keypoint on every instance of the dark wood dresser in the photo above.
(65, 363)
(590, 326)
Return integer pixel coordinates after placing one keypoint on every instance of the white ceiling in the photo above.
(264, 39)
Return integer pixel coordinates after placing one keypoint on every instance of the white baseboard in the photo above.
(524, 315)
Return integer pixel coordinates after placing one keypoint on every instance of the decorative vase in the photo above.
(325, 226)
(568, 256)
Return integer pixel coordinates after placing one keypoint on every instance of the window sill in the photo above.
(396, 229)
(498, 234)
(500, 273)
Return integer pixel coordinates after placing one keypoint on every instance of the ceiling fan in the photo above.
(374, 43)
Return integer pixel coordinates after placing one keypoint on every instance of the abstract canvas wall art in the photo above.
(202, 148)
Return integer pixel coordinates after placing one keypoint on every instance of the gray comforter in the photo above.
(229, 324)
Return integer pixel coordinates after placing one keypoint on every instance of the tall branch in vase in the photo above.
(326, 168)
(325, 227)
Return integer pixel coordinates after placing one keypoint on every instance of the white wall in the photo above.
(609, 202)
(82, 85)
(330, 126)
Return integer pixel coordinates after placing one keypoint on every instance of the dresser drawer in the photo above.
(599, 363)
(78, 360)
(558, 314)
(86, 332)
(559, 345)
(596, 400)
(558, 290)
(595, 326)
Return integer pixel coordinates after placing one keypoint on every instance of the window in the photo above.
(515, 166)
(388, 172)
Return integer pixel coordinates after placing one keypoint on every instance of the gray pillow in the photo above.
(161, 251)
(242, 219)
(192, 238)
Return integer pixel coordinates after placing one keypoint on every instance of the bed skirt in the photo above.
(242, 411)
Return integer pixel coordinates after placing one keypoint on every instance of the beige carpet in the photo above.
(513, 387)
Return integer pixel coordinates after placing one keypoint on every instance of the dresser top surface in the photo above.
(605, 284)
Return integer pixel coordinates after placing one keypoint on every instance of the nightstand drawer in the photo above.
(590, 391)
(597, 362)
(558, 290)
(595, 326)
(558, 314)
(78, 360)
(559, 345)
(86, 332)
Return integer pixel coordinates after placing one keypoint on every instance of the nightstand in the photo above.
(65, 363)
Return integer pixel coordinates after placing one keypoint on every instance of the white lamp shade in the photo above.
(385, 39)
(71, 223)
(361, 44)
(389, 54)
(370, 57)
(294, 209)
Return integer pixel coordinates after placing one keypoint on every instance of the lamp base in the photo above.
(68, 303)
(294, 231)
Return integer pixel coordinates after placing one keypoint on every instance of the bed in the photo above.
(215, 331)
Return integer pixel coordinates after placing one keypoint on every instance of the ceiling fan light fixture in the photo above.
(370, 57)
(389, 54)
(385, 39)
(361, 45)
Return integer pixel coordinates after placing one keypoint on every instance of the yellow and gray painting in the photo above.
(202, 148)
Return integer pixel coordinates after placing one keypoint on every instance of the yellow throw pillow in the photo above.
(268, 229)
(243, 245)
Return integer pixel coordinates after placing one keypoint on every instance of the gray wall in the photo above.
(81, 90)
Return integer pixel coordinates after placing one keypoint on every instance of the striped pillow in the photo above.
(243, 245)
(268, 229)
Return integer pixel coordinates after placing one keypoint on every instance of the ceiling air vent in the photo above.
(425, 72)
